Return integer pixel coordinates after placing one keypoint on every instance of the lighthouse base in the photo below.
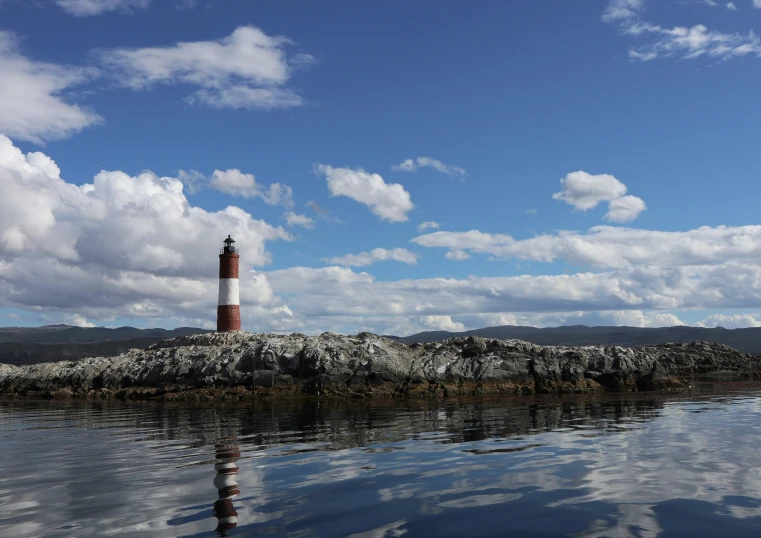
(228, 318)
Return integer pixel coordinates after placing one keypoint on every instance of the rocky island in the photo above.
(240, 365)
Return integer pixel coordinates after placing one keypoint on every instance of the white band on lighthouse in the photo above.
(229, 291)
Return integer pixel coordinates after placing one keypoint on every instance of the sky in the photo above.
(390, 167)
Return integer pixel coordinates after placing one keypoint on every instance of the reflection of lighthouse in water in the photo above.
(227, 486)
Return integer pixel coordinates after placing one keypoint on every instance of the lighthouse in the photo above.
(228, 305)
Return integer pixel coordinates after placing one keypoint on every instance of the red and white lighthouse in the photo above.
(228, 305)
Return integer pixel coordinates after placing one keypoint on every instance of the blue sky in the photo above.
(582, 162)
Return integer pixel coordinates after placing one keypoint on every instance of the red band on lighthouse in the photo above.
(228, 305)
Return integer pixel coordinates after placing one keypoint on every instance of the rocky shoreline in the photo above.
(239, 366)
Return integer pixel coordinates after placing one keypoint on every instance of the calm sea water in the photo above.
(625, 465)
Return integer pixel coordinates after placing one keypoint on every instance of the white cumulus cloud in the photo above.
(236, 183)
(295, 219)
(737, 321)
(247, 69)
(625, 209)
(278, 194)
(389, 201)
(193, 180)
(120, 246)
(410, 165)
(77, 320)
(441, 323)
(376, 255)
(585, 191)
(427, 225)
(33, 101)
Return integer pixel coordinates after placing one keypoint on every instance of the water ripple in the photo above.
(616, 465)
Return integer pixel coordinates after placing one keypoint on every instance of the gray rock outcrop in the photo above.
(239, 365)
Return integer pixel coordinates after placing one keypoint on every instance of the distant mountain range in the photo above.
(28, 345)
(745, 340)
(63, 334)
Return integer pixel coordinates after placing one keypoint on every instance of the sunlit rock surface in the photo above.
(241, 365)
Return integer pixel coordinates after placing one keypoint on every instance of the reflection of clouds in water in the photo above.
(387, 531)
(634, 521)
(86, 486)
(162, 510)
(460, 470)
(350, 464)
(74, 494)
(401, 491)
(335, 467)
(633, 464)
(751, 508)
(681, 455)
(154, 476)
(9, 509)
(481, 500)
(685, 454)
(700, 451)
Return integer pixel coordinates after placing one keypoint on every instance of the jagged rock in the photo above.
(234, 364)
(7, 368)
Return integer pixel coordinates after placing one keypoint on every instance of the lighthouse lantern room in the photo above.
(229, 245)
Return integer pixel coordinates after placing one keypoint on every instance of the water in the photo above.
(619, 465)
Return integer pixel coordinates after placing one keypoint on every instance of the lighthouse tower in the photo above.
(228, 306)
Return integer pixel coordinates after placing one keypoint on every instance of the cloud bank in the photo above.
(119, 246)
(134, 246)
(605, 247)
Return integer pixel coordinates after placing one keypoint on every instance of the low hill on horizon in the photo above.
(59, 334)
(747, 340)
(31, 345)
